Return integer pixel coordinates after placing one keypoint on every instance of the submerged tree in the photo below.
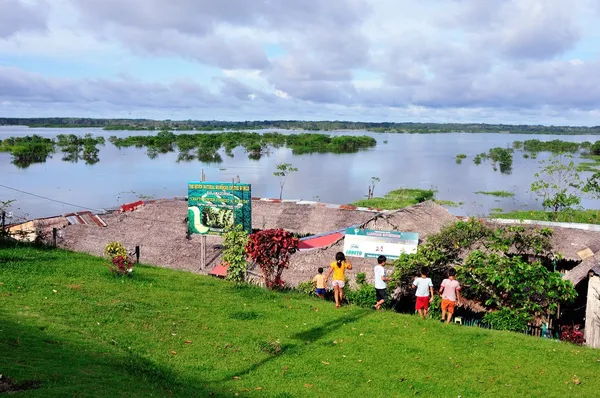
(558, 185)
(283, 170)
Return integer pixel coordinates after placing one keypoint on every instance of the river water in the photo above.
(398, 160)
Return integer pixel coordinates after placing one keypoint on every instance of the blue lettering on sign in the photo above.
(354, 253)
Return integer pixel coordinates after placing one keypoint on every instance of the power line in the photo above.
(83, 207)
(50, 199)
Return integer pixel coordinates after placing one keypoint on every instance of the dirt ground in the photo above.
(159, 229)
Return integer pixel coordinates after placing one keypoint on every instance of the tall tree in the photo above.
(558, 184)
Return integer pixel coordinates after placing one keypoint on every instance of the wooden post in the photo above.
(137, 254)
(3, 221)
(54, 237)
(592, 313)
(203, 239)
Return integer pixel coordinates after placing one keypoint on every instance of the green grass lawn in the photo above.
(401, 198)
(575, 216)
(77, 331)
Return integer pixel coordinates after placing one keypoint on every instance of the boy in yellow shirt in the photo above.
(319, 281)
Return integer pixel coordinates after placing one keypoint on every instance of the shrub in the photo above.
(271, 250)
(115, 249)
(364, 296)
(572, 334)
(361, 278)
(307, 288)
(121, 265)
(507, 319)
(234, 255)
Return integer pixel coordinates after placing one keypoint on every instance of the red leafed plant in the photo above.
(572, 334)
(271, 250)
(121, 265)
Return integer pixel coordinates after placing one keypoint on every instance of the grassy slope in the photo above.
(101, 336)
(576, 216)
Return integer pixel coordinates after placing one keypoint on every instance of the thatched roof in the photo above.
(425, 218)
(305, 218)
(574, 244)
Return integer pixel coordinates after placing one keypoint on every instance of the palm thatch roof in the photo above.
(577, 245)
(305, 218)
(426, 218)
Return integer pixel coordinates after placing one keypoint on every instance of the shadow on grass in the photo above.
(313, 334)
(75, 366)
(307, 336)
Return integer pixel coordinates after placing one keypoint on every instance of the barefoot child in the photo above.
(338, 268)
(450, 291)
(319, 281)
(424, 288)
(380, 279)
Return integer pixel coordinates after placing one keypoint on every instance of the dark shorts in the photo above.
(381, 294)
(320, 291)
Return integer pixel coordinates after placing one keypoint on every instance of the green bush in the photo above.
(361, 278)
(364, 296)
(307, 288)
(507, 319)
(115, 249)
(234, 242)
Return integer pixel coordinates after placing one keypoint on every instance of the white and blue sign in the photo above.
(369, 243)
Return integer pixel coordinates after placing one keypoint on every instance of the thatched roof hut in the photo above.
(425, 218)
(579, 246)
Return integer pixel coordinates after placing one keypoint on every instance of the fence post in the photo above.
(137, 254)
(54, 237)
(3, 221)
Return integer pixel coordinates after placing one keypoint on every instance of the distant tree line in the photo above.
(215, 125)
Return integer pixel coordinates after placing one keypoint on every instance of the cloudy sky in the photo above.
(491, 61)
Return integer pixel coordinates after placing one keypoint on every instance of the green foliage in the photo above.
(491, 266)
(115, 249)
(558, 185)
(27, 150)
(502, 281)
(283, 170)
(568, 215)
(307, 288)
(435, 308)
(207, 145)
(501, 194)
(498, 156)
(234, 242)
(554, 146)
(398, 199)
(461, 156)
(361, 278)
(507, 319)
(363, 296)
(595, 148)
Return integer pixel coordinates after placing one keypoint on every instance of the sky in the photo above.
(483, 61)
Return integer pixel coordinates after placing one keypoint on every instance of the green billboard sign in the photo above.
(214, 206)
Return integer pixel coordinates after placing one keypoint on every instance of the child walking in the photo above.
(319, 281)
(450, 291)
(380, 279)
(424, 288)
(338, 268)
